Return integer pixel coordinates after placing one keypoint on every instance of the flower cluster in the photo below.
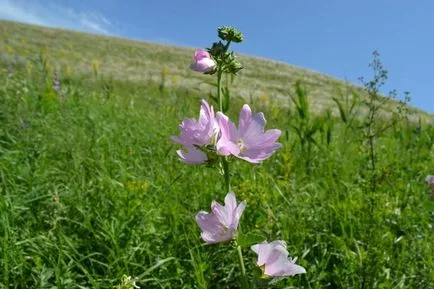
(221, 224)
(218, 58)
(216, 135)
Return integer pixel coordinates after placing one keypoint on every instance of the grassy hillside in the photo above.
(91, 188)
(78, 53)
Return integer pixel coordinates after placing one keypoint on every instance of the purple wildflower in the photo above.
(56, 82)
(202, 61)
(430, 180)
(249, 142)
(222, 223)
(273, 260)
(196, 134)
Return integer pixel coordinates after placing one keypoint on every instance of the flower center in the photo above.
(241, 146)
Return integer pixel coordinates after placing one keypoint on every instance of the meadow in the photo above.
(91, 188)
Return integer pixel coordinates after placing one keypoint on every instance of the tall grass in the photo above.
(91, 190)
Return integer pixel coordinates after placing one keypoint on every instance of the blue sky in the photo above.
(335, 37)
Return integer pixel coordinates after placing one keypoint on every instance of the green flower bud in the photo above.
(229, 33)
(217, 50)
(232, 65)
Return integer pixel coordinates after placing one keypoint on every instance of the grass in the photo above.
(91, 188)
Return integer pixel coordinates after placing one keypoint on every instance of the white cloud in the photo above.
(94, 22)
(46, 14)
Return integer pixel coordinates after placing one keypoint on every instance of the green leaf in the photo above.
(211, 83)
(341, 110)
(213, 98)
(249, 239)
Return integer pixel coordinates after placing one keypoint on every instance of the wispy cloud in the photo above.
(48, 14)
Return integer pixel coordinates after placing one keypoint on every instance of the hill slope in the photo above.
(139, 61)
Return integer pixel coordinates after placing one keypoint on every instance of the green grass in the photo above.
(91, 188)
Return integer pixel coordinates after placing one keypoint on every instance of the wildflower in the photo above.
(203, 62)
(196, 134)
(430, 180)
(249, 142)
(127, 283)
(273, 260)
(56, 82)
(222, 223)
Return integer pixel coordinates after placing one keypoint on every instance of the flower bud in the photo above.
(217, 50)
(232, 64)
(203, 62)
(229, 33)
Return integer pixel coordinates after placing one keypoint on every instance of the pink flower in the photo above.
(222, 223)
(192, 156)
(202, 61)
(430, 180)
(273, 260)
(197, 133)
(249, 142)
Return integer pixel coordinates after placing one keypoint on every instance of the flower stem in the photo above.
(227, 45)
(224, 160)
(219, 88)
(226, 175)
(243, 268)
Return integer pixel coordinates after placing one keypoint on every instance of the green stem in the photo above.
(226, 175)
(219, 88)
(227, 45)
(219, 80)
(243, 268)
(224, 160)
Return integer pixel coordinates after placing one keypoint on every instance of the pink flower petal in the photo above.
(238, 212)
(230, 202)
(203, 65)
(207, 221)
(249, 142)
(192, 156)
(222, 213)
(274, 257)
(254, 129)
(266, 139)
(212, 238)
(221, 224)
(283, 267)
(200, 54)
(245, 119)
(227, 145)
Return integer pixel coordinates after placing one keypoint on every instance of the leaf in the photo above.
(211, 83)
(303, 103)
(249, 239)
(341, 110)
(213, 98)
(158, 264)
